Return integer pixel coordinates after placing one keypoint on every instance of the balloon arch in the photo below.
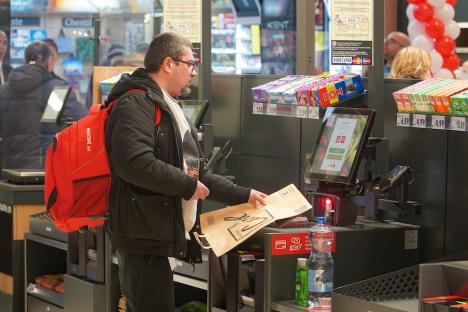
(432, 28)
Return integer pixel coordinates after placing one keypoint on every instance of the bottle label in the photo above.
(320, 281)
(323, 235)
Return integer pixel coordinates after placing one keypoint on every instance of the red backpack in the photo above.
(77, 171)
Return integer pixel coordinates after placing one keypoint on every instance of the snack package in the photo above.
(337, 89)
(259, 93)
(459, 104)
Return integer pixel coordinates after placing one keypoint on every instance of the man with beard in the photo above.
(157, 175)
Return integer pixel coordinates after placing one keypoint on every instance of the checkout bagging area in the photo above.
(380, 215)
(260, 273)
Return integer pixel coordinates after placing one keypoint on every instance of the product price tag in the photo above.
(458, 123)
(272, 109)
(314, 112)
(301, 111)
(438, 122)
(419, 121)
(258, 108)
(403, 120)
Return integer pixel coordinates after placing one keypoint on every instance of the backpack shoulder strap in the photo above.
(157, 108)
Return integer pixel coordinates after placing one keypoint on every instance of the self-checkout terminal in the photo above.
(331, 180)
(363, 248)
(330, 177)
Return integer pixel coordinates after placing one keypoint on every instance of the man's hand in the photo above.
(256, 196)
(201, 192)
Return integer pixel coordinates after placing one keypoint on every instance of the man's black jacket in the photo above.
(148, 182)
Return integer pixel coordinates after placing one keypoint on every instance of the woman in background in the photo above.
(411, 62)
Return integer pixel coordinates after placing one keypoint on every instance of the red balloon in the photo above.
(435, 28)
(417, 1)
(451, 62)
(445, 46)
(452, 2)
(423, 12)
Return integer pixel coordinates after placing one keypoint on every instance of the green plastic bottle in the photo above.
(302, 291)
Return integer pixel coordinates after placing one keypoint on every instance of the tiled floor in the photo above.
(5, 302)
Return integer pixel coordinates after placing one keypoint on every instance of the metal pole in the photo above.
(97, 40)
(376, 71)
(204, 74)
(305, 37)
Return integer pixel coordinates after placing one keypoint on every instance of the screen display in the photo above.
(246, 8)
(55, 105)
(195, 111)
(276, 8)
(342, 137)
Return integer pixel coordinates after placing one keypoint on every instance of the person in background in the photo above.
(393, 43)
(411, 62)
(114, 56)
(136, 58)
(23, 99)
(158, 176)
(6, 68)
(4, 72)
(462, 71)
(54, 53)
(54, 59)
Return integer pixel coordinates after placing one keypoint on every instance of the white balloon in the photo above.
(444, 73)
(436, 61)
(410, 12)
(452, 29)
(424, 42)
(436, 3)
(415, 29)
(445, 13)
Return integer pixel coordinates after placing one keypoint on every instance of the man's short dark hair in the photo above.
(37, 53)
(51, 43)
(164, 45)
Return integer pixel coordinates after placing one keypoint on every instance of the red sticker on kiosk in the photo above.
(293, 244)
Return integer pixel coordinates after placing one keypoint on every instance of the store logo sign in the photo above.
(284, 25)
(77, 22)
(89, 140)
(25, 21)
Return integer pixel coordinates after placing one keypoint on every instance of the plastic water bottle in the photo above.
(320, 265)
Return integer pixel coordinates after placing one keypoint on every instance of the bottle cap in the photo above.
(302, 261)
(321, 219)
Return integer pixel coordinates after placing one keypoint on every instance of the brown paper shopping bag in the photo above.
(223, 229)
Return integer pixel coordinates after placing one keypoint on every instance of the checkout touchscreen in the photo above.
(195, 111)
(55, 105)
(338, 151)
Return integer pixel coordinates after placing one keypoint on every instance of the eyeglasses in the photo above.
(194, 64)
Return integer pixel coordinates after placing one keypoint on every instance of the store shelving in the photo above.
(437, 122)
(289, 306)
(53, 262)
(46, 295)
(286, 110)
